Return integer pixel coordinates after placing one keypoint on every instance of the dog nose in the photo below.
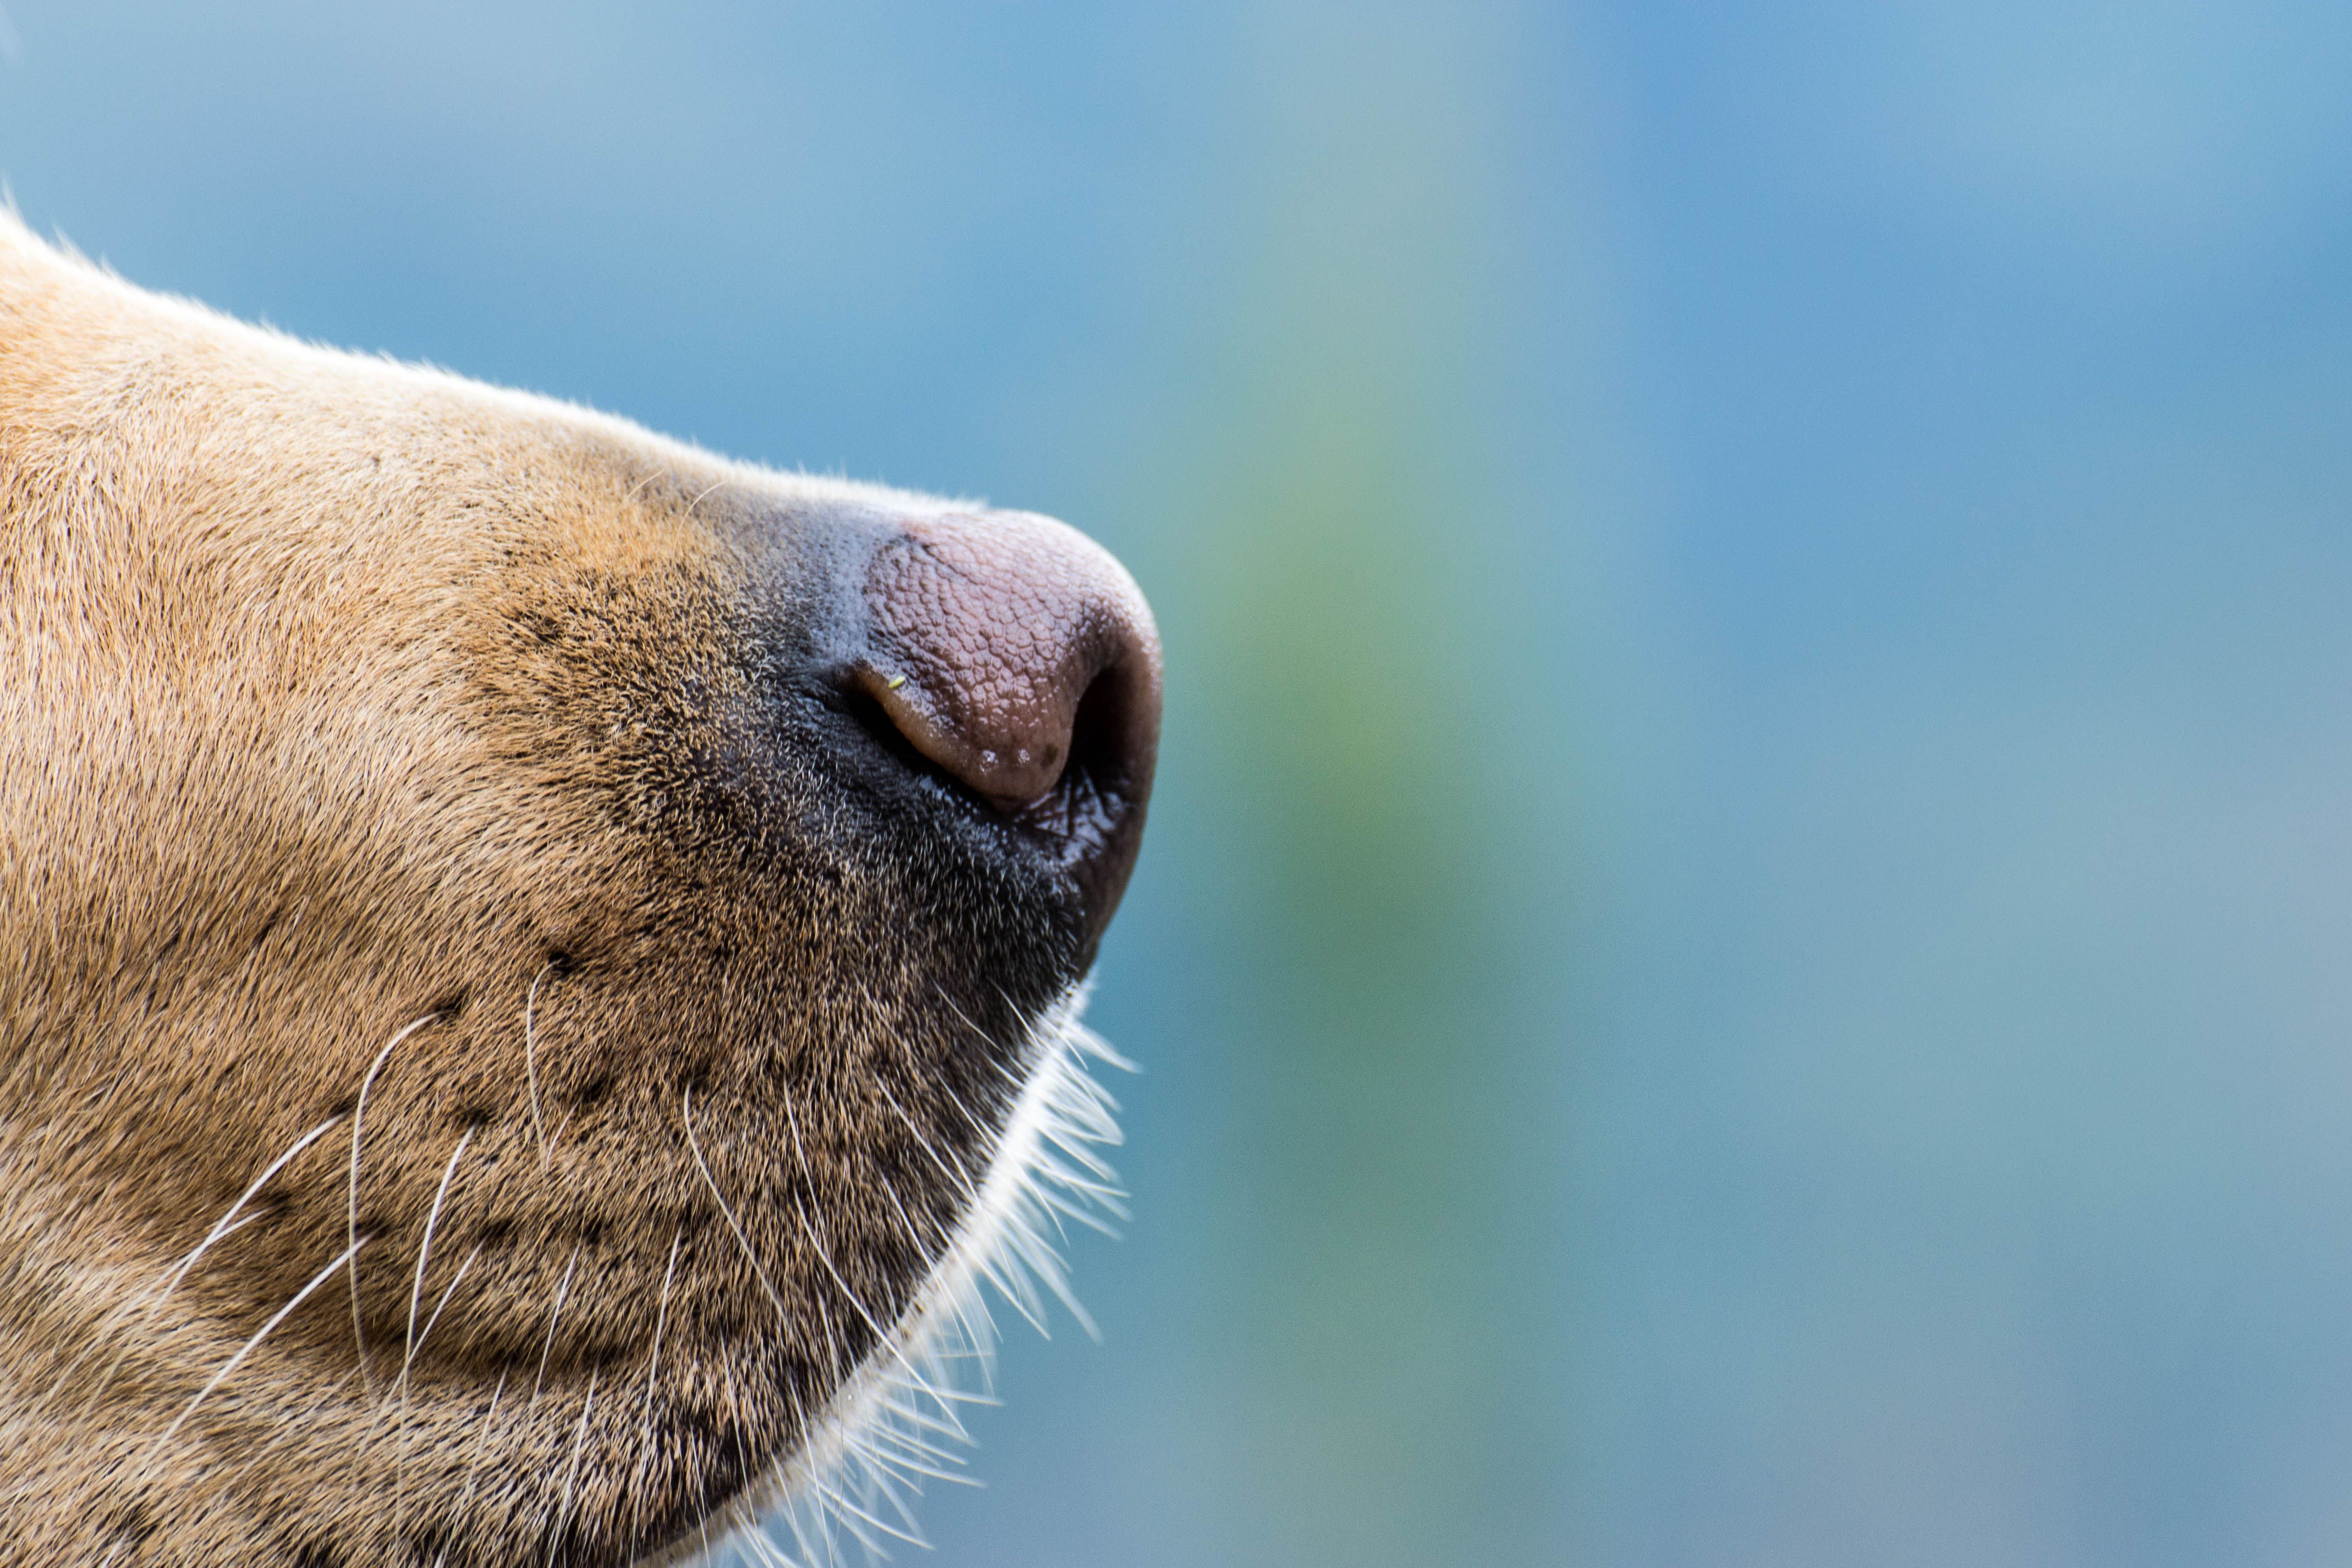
(1017, 655)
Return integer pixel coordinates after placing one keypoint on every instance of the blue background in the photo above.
(1742, 957)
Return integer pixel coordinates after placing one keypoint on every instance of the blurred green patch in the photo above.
(1371, 920)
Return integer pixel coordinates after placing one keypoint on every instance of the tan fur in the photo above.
(337, 698)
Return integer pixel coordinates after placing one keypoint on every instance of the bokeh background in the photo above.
(1742, 958)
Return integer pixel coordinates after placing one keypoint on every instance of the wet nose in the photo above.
(1019, 656)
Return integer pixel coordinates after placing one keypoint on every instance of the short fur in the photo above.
(432, 920)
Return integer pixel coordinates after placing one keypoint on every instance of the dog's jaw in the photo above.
(898, 1421)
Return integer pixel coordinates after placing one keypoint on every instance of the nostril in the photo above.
(1095, 751)
(1111, 734)
(878, 721)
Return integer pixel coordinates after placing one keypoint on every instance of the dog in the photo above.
(538, 966)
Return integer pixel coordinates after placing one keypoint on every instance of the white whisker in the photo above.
(415, 1294)
(686, 1114)
(955, 1171)
(653, 1372)
(229, 1222)
(359, 1111)
(882, 1338)
(572, 1470)
(425, 1333)
(530, 1060)
(553, 1317)
(425, 1247)
(248, 1347)
(481, 1451)
(228, 1225)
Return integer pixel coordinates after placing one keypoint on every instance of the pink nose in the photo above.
(1016, 654)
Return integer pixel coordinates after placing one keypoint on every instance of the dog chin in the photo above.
(898, 1422)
